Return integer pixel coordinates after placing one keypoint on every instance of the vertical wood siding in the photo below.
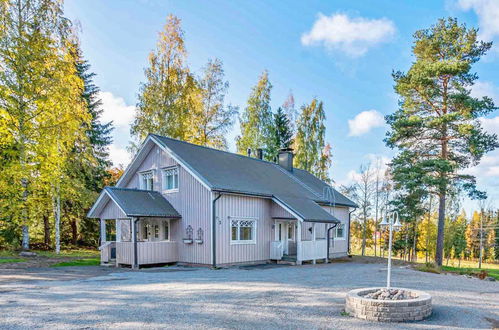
(277, 211)
(111, 211)
(232, 206)
(192, 201)
(340, 247)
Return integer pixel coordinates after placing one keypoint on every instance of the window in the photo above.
(243, 231)
(156, 231)
(340, 231)
(291, 231)
(146, 231)
(146, 180)
(166, 230)
(170, 178)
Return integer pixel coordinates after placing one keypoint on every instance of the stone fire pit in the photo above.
(393, 305)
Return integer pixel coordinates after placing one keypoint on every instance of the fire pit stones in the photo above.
(415, 307)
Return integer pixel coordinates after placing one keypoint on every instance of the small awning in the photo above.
(306, 209)
(135, 203)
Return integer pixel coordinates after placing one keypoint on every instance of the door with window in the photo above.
(285, 233)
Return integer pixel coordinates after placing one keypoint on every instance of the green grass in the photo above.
(74, 253)
(492, 272)
(79, 262)
(11, 260)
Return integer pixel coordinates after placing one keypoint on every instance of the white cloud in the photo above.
(364, 122)
(488, 16)
(119, 156)
(491, 125)
(354, 36)
(116, 109)
(485, 88)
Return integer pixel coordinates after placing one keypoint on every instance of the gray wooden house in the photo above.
(182, 203)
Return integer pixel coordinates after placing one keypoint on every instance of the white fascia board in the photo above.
(284, 206)
(132, 165)
(186, 166)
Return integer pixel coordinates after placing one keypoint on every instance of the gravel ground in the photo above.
(302, 297)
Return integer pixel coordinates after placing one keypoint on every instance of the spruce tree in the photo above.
(438, 118)
(281, 134)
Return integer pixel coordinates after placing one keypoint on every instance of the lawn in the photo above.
(78, 262)
(493, 272)
(11, 260)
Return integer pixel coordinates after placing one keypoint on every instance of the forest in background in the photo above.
(54, 147)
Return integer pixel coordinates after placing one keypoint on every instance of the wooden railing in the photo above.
(147, 252)
(105, 251)
(312, 250)
(276, 250)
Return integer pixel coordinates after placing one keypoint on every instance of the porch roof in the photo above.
(135, 203)
(307, 209)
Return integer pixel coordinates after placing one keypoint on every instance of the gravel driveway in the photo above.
(309, 296)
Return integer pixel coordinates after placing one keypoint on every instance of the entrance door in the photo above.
(281, 233)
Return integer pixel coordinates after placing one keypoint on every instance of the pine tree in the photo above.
(438, 118)
(281, 134)
(170, 93)
(256, 119)
(309, 144)
(212, 119)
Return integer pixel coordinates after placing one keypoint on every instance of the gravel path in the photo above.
(309, 296)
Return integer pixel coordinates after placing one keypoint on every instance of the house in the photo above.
(182, 203)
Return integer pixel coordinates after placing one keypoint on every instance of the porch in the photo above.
(135, 227)
(291, 246)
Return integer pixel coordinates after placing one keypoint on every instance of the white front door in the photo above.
(281, 234)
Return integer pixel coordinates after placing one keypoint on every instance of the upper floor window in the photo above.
(170, 178)
(146, 180)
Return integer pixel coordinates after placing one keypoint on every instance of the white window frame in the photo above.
(163, 178)
(292, 225)
(151, 223)
(253, 232)
(336, 232)
(150, 175)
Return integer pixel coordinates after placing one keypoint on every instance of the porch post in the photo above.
(298, 242)
(102, 231)
(313, 239)
(135, 264)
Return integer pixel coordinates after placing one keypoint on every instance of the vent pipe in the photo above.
(259, 153)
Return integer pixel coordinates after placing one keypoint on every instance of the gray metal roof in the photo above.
(319, 187)
(307, 209)
(225, 171)
(142, 203)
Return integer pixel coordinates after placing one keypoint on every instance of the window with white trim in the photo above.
(340, 231)
(170, 179)
(166, 230)
(243, 231)
(147, 180)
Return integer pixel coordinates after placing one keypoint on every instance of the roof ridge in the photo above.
(130, 189)
(214, 149)
(297, 180)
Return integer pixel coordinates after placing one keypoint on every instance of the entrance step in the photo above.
(286, 262)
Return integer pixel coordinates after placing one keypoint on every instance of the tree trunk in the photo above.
(74, 232)
(441, 225)
(57, 214)
(46, 230)
(364, 235)
(414, 242)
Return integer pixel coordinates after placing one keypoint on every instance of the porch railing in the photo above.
(147, 252)
(105, 254)
(276, 250)
(312, 250)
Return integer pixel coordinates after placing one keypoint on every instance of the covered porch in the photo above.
(135, 227)
(308, 236)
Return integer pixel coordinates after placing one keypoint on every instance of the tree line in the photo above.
(438, 135)
(54, 146)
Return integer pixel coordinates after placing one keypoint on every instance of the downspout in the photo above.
(214, 231)
(328, 239)
(348, 238)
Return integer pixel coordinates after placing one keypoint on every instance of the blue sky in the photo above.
(342, 52)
